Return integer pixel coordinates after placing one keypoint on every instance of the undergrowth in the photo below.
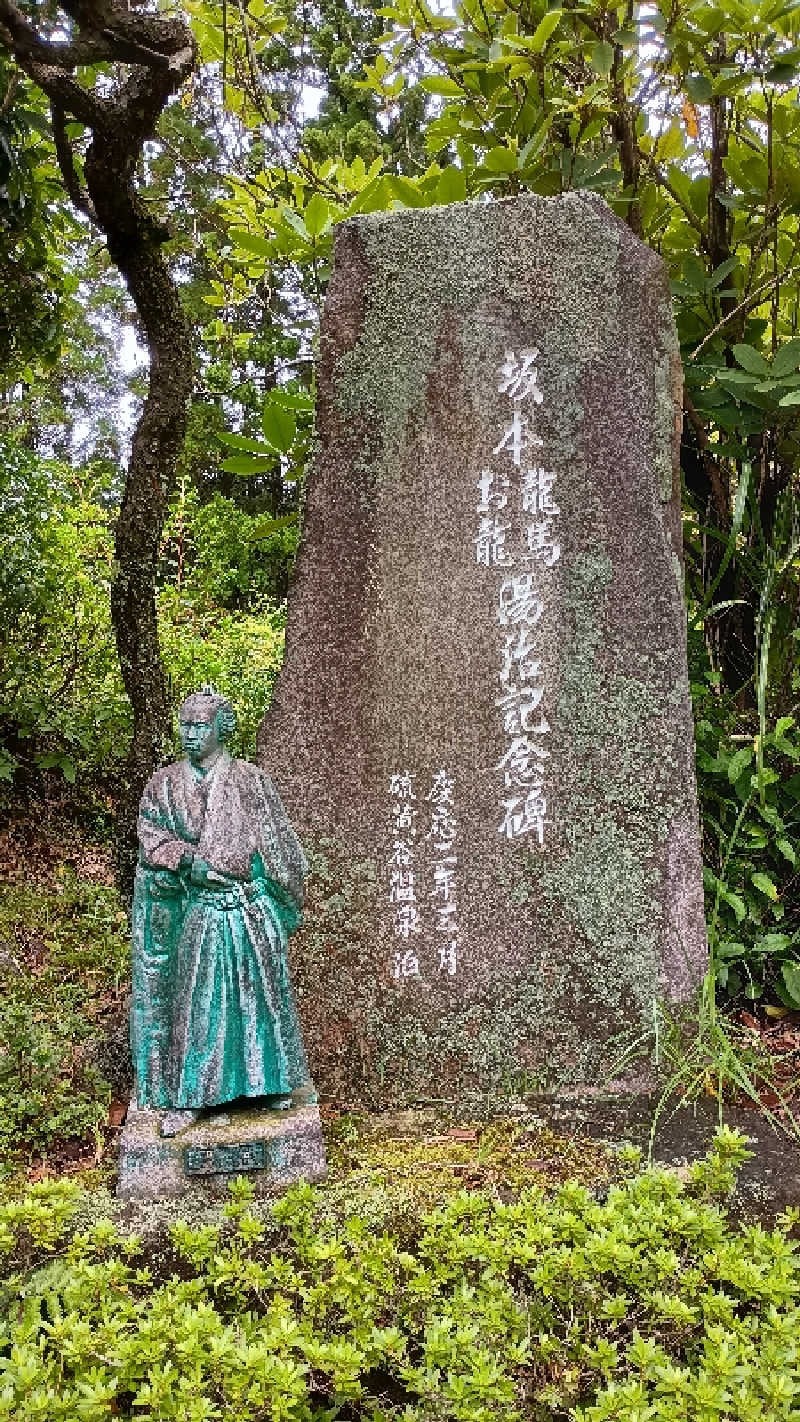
(698, 1050)
(63, 971)
(647, 1303)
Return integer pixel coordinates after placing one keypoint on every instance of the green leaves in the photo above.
(762, 382)
(280, 430)
(452, 186)
(279, 426)
(736, 902)
(786, 359)
(253, 446)
(317, 216)
(739, 762)
(266, 227)
(252, 242)
(698, 88)
(56, 760)
(407, 193)
(787, 849)
(790, 975)
(247, 465)
(51, 1022)
(765, 885)
(441, 84)
(751, 360)
(545, 28)
(324, 1294)
(602, 58)
(751, 811)
(258, 458)
(501, 160)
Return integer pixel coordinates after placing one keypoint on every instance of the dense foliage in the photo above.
(334, 1303)
(63, 704)
(30, 276)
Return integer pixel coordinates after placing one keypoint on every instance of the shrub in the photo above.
(648, 1304)
(216, 552)
(60, 689)
(240, 653)
(749, 786)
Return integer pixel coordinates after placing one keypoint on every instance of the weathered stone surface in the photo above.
(404, 635)
(272, 1148)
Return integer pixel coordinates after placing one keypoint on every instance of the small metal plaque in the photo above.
(233, 1159)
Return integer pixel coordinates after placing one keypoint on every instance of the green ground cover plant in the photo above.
(647, 1303)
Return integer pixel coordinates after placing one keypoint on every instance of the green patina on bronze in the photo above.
(219, 888)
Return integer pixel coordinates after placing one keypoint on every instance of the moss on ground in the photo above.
(428, 1155)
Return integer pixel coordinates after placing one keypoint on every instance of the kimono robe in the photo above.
(213, 1015)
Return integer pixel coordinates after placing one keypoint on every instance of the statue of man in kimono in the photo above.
(219, 888)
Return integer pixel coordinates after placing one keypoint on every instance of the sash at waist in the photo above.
(166, 886)
(227, 896)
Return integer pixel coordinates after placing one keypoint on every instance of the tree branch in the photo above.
(24, 41)
(59, 86)
(66, 163)
(10, 92)
(49, 65)
(107, 32)
(755, 299)
(709, 462)
(664, 182)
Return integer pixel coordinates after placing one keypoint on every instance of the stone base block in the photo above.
(272, 1148)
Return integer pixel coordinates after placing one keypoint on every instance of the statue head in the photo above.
(206, 720)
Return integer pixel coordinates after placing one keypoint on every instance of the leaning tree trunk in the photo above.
(157, 443)
(152, 55)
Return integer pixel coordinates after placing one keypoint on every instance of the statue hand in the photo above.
(203, 873)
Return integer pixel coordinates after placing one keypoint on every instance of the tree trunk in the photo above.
(151, 54)
(134, 244)
(157, 443)
(730, 634)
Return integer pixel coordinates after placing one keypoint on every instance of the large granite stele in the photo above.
(482, 728)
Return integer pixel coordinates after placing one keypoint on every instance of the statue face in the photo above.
(200, 736)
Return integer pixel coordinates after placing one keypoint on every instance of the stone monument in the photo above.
(484, 709)
(219, 888)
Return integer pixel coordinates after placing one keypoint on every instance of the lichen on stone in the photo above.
(568, 952)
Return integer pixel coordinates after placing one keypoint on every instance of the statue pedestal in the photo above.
(272, 1148)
